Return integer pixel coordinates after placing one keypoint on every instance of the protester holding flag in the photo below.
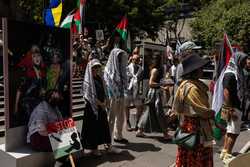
(220, 63)
(231, 108)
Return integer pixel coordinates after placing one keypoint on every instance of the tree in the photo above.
(177, 11)
(32, 10)
(145, 17)
(232, 17)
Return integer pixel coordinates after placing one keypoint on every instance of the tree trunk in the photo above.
(182, 26)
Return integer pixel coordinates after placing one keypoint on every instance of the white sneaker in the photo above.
(222, 154)
(58, 164)
(113, 150)
(228, 158)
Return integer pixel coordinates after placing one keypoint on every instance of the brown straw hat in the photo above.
(192, 63)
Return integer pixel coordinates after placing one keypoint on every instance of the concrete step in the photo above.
(2, 131)
(76, 96)
(76, 91)
(1, 97)
(78, 115)
(1, 112)
(78, 108)
(1, 104)
(78, 101)
(77, 79)
(1, 92)
(2, 120)
(77, 82)
(76, 87)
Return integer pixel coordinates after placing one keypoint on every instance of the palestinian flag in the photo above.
(72, 21)
(122, 28)
(81, 6)
(67, 22)
(77, 22)
(225, 55)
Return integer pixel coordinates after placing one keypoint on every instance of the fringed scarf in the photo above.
(115, 72)
(88, 86)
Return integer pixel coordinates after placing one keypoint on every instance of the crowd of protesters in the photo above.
(112, 84)
(116, 76)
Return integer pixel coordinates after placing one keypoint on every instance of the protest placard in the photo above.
(99, 35)
(64, 138)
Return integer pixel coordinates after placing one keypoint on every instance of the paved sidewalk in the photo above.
(145, 152)
(149, 152)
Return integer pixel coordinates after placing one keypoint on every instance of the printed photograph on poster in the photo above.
(39, 71)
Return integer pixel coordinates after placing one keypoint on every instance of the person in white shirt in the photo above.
(116, 81)
(134, 74)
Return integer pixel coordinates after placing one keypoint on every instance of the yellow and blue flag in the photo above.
(52, 15)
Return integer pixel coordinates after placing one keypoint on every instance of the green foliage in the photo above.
(32, 9)
(232, 17)
(145, 16)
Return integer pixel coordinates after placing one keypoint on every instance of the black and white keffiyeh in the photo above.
(88, 86)
(115, 72)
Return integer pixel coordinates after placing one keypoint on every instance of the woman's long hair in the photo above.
(157, 63)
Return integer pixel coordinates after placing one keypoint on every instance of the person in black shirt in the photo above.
(231, 106)
(245, 101)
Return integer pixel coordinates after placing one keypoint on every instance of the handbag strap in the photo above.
(187, 87)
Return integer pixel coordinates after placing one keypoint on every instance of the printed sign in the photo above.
(64, 138)
(99, 35)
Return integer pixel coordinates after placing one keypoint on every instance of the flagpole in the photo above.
(229, 43)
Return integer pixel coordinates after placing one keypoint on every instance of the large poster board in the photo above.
(40, 62)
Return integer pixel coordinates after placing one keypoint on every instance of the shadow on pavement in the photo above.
(159, 139)
(95, 161)
(140, 147)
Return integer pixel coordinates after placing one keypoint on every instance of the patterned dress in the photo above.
(191, 103)
(199, 157)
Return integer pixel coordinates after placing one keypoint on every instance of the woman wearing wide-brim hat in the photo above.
(192, 106)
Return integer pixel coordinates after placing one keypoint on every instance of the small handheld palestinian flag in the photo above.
(218, 98)
(122, 28)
